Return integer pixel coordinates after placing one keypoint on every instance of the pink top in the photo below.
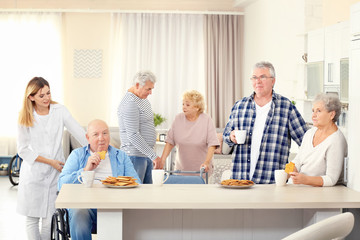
(192, 140)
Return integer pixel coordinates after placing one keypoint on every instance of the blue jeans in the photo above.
(143, 167)
(81, 223)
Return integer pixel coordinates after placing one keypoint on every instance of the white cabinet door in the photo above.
(345, 39)
(355, 19)
(316, 46)
(332, 55)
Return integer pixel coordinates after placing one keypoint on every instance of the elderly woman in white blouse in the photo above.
(321, 155)
(41, 126)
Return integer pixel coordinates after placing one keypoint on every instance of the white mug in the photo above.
(87, 178)
(280, 177)
(158, 177)
(240, 136)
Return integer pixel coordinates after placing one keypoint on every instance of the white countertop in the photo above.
(207, 196)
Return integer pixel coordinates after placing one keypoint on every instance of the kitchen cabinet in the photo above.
(315, 78)
(344, 79)
(315, 63)
(328, 51)
(344, 31)
(315, 43)
(355, 19)
(336, 47)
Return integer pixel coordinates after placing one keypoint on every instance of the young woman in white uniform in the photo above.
(41, 126)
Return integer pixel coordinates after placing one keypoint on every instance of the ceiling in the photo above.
(127, 5)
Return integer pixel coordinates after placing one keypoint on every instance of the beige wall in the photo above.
(336, 11)
(274, 31)
(86, 98)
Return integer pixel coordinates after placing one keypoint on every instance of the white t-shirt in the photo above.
(104, 169)
(258, 131)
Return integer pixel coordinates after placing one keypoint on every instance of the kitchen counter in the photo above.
(200, 209)
(184, 196)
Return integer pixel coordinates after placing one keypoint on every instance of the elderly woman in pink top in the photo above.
(193, 132)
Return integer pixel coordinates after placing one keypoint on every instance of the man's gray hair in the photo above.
(143, 76)
(268, 65)
(331, 102)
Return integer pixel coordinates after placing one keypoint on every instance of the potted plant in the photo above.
(158, 119)
(3, 169)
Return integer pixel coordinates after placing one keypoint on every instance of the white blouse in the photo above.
(38, 181)
(325, 160)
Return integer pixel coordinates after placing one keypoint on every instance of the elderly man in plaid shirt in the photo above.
(270, 121)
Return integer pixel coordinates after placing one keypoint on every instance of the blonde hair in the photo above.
(26, 117)
(195, 97)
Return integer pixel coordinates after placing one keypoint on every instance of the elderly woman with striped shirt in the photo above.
(136, 124)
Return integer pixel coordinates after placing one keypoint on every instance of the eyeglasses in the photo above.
(262, 78)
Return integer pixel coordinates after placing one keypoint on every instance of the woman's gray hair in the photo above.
(268, 65)
(331, 103)
(143, 76)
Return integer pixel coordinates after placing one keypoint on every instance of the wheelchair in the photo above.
(60, 227)
(14, 169)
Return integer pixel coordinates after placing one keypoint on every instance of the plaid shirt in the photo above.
(282, 123)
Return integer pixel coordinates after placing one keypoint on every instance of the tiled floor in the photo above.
(12, 225)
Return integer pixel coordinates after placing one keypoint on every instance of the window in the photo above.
(30, 46)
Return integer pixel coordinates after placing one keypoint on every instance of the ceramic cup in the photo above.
(280, 177)
(240, 136)
(87, 178)
(158, 177)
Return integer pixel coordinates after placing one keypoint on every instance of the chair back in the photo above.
(336, 227)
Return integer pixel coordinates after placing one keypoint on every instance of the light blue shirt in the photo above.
(121, 165)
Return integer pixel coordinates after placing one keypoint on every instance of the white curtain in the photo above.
(169, 45)
(30, 45)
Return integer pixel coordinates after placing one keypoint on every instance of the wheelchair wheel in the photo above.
(59, 227)
(14, 169)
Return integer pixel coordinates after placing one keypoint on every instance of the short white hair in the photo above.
(142, 76)
(267, 65)
(331, 103)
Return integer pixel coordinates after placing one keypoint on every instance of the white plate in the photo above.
(237, 187)
(113, 186)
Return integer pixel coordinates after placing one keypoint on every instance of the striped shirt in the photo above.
(136, 124)
(283, 122)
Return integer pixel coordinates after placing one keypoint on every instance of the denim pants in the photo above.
(81, 223)
(143, 167)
